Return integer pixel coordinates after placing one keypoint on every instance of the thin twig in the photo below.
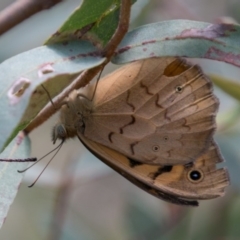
(121, 30)
(21, 10)
(85, 77)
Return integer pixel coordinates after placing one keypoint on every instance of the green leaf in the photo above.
(94, 20)
(181, 38)
(228, 86)
(22, 97)
(10, 179)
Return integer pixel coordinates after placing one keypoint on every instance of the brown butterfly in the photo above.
(153, 122)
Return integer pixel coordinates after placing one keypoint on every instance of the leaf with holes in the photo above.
(22, 97)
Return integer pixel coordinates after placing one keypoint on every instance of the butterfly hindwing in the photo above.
(170, 183)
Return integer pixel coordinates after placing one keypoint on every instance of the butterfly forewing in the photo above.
(154, 111)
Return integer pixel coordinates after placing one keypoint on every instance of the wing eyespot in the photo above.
(195, 176)
(155, 148)
(179, 89)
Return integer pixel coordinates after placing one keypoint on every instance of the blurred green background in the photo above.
(79, 198)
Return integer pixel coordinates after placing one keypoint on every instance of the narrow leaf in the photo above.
(94, 20)
(10, 179)
(228, 86)
(181, 38)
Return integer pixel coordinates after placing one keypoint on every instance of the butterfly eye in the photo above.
(155, 148)
(195, 176)
(179, 89)
(59, 132)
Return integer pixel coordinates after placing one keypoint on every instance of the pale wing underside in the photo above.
(154, 111)
(170, 183)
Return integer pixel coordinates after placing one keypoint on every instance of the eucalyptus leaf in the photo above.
(181, 38)
(95, 21)
(10, 179)
(227, 85)
(21, 95)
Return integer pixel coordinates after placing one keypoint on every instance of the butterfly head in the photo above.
(74, 110)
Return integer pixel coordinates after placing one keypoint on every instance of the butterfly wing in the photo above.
(156, 111)
(177, 184)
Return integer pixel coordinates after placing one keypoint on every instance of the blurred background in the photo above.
(78, 197)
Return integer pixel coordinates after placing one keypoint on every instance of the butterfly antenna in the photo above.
(59, 146)
(48, 95)
(95, 88)
(18, 160)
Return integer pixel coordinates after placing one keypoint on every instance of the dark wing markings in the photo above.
(133, 163)
(160, 171)
(151, 190)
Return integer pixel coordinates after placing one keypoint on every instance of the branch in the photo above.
(85, 77)
(21, 10)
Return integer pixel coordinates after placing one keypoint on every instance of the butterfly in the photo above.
(153, 122)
